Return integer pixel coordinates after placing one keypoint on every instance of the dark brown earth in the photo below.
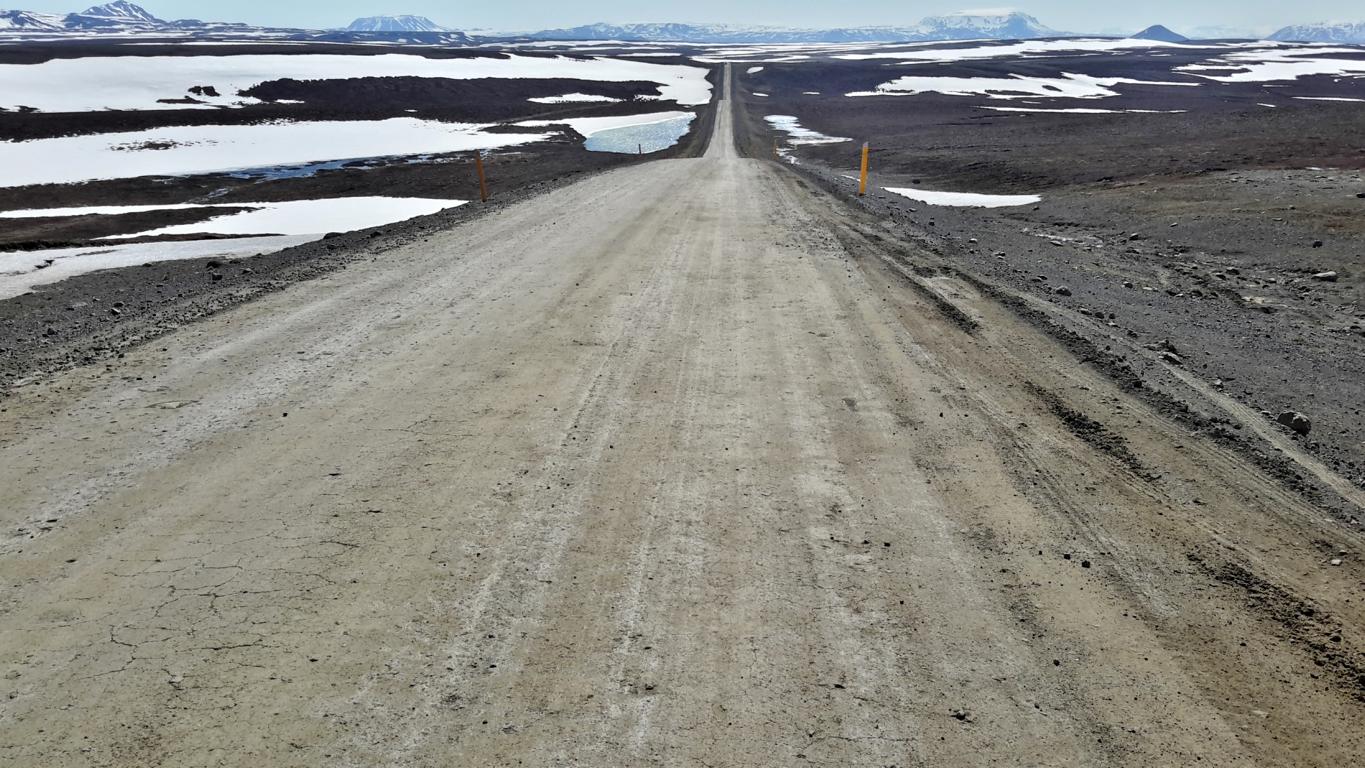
(1179, 249)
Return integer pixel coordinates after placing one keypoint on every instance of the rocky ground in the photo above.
(1218, 255)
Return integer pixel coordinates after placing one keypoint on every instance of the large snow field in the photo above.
(139, 82)
(264, 227)
(1068, 86)
(799, 134)
(1279, 64)
(185, 150)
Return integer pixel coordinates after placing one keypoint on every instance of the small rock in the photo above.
(962, 715)
(1296, 421)
(1336, 561)
(1317, 243)
(1326, 277)
(217, 276)
(1172, 358)
(1062, 290)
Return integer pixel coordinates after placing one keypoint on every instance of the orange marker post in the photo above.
(862, 177)
(483, 183)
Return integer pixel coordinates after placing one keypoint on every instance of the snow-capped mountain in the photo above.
(1159, 33)
(113, 15)
(973, 25)
(1323, 32)
(27, 20)
(395, 24)
(123, 18)
(958, 26)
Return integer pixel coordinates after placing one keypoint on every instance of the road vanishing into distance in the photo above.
(670, 466)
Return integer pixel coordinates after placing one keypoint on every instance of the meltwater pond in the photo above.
(627, 134)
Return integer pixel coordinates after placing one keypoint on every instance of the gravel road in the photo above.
(669, 466)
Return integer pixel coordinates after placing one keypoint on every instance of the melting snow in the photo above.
(187, 150)
(1278, 64)
(1329, 98)
(308, 217)
(964, 199)
(20, 272)
(1069, 86)
(1085, 110)
(570, 98)
(289, 224)
(799, 135)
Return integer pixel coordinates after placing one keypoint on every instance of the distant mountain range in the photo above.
(958, 26)
(122, 18)
(126, 18)
(1323, 32)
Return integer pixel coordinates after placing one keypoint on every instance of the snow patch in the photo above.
(1069, 86)
(964, 199)
(572, 98)
(790, 125)
(185, 150)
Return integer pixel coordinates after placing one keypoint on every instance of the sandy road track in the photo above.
(653, 469)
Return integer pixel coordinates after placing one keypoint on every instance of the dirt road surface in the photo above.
(667, 467)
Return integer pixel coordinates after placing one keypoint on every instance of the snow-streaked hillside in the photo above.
(27, 20)
(1323, 32)
(395, 24)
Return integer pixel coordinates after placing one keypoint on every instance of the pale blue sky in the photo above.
(1070, 15)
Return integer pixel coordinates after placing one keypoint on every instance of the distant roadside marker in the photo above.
(862, 176)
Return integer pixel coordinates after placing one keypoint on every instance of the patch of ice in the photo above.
(764, 95)
(139, 82)
(184, 150)
(800, 135)
(964, 199)
(626, 134)
(755, 70)
(1070, 86)
(572, 98)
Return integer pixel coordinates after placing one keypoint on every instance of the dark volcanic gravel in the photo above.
(1182, 243)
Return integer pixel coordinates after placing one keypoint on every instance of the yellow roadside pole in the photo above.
(862, 177)
(483, 183)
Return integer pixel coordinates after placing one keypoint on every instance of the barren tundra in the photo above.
(685, 463)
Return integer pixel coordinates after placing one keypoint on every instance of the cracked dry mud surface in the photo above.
(655, 469)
